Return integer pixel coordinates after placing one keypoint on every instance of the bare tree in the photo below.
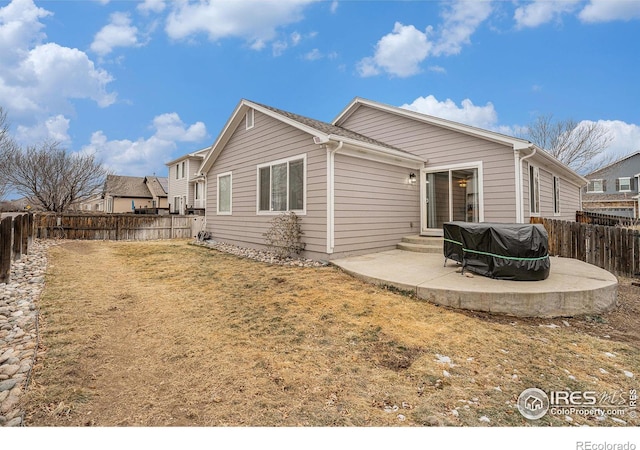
(580, 146)
(51, 176)
(6, 144)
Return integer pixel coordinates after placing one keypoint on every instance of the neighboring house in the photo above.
(613, 189)
(375, 174)
(186, 186)
(94, 203)
(159, 188)
(124, 194)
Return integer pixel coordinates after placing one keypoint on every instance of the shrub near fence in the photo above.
(115, 227)
(615, 249)
(16, 235)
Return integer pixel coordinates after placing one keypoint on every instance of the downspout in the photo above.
(519, 199)
(331, 196)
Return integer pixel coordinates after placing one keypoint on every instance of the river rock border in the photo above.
(19, 330)
(259, 255)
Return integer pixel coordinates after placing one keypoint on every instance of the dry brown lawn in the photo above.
(165, 333)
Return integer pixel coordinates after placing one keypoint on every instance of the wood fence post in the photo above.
(25, 234)
(5, 249)
(17, 238)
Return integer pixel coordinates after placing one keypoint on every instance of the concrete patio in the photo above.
(573, 287)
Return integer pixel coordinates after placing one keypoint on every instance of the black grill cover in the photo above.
(503, 251)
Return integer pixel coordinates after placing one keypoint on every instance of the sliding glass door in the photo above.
(450, 195)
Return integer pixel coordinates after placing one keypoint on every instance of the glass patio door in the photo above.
(450, 195)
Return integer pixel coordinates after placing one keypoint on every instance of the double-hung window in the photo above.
(595, 186)
(282, 186)
(556, 195)
(534, 189)
(624, 184)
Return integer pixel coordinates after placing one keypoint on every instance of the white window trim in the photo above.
(478, 165)
(230, 212)
(620, 184)
(601, 186)
(536, 174)
(557, 204)
(249, 119)
(300, 212)
(174, 204)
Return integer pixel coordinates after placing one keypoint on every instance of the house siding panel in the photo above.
(375, 206)
(442, 147)
(269, 140)
(569, 193)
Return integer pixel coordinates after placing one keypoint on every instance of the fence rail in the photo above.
(115, 227)
(604, 219)
(16, 236)
(615, 249)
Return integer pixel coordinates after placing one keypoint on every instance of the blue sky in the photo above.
(142, 82)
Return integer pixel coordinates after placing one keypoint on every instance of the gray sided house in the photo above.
(613, 189)
(186, 186)
(375, 174)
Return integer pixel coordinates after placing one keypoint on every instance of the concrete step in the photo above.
(423, 240)
(421, 244)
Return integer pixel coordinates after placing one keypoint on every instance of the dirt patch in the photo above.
(622, 323)
(168, 334)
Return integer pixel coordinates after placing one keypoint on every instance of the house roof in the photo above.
(615, 163)
(356, 103)
(198, 154)
(510, 141)
(323, 131)
(157, 186)
(123, 186)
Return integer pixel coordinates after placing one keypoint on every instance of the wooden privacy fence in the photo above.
(16, 236)
(604, 219)
(115, 227)
(615, 249)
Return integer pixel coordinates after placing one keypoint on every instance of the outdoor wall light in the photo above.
(462, 183)
(412, 178)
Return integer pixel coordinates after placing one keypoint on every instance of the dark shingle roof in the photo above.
(155, 186)
(328, 128)
(123, 186)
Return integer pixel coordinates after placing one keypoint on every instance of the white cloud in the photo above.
(253, 20)
(145, 156)
(542, 11)
(20, 30)
(55, 128)
(156, 6)
(37, 79)
(467, 113)
(401, 52)
(334, 6)
(313, 55)
(460, 22)
(609, 10)
(118, 33)
(626, 137)
(170, 127)
(398, 53)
